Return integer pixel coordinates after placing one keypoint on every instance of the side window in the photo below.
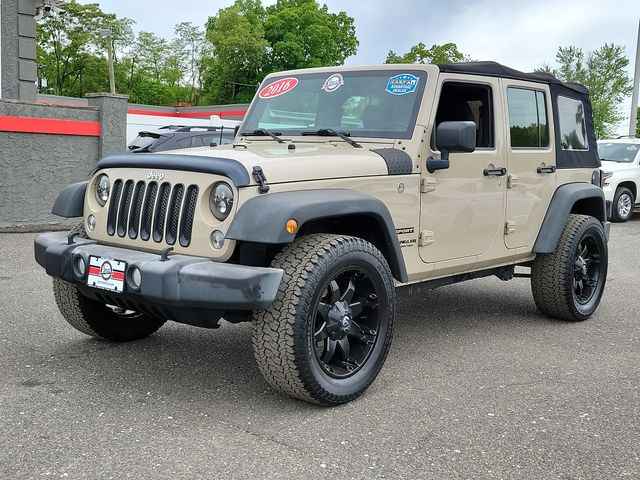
(527, 118)
(196, 141)
(573, 126)
(468, 102)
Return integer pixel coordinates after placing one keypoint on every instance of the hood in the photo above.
(309, 161)
(609, 166)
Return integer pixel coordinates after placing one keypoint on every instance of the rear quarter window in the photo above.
(573, 126)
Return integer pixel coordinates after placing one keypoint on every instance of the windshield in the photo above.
(618, 152)
(380, 104)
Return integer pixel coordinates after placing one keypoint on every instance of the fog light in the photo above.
(91, 222)
(217, 239)
(135, 278)
(79, 266)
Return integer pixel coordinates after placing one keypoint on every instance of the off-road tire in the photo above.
(282, 342)
(553, 274)
(622, 194)
(97, 319)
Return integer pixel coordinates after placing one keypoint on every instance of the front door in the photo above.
(462, 207)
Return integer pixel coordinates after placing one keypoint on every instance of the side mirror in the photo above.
(452, 137)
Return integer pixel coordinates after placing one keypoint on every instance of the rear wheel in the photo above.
(568, 283)
(327, 334)
(97, 319)
(622, 205)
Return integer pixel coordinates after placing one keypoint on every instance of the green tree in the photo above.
(437, 54)
(70, 47)
(239, 53)
(604, 73)
(249, 41)
(303, 33)
(190, 48)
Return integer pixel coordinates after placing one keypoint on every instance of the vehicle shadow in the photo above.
(196, 368)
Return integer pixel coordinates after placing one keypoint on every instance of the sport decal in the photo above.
(402, 84)
(278, 88)
(333, 83)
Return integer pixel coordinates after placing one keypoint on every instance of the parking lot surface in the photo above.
(478, 385)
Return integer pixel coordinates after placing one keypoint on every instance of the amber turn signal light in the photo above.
(291, 226)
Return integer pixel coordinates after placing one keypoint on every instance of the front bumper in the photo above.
(180, 281)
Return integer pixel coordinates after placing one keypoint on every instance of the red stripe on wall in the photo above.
(226, 113)
(50, 126)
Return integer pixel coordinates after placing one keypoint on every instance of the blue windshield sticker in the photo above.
(402, 84)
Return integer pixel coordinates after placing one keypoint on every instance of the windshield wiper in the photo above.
(261, 132)
(328, 132)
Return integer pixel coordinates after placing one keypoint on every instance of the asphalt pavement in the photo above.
(478, 385)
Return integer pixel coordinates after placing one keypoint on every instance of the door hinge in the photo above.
(426, 238)
(512, 181)
(509, 227)
(427, 185)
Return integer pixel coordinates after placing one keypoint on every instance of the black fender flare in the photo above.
(262, 219)
(562, 204)
(70, 201)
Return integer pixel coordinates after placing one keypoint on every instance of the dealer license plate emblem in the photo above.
(106, 273)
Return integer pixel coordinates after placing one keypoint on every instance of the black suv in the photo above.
(174, 137)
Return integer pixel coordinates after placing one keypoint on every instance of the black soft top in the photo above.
(495, 69)
(564, 158)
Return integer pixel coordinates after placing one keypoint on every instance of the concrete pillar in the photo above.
(18, 50)
(113, 121)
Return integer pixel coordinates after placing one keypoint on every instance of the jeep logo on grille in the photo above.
(155, 175)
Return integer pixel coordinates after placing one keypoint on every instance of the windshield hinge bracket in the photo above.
(261, 180)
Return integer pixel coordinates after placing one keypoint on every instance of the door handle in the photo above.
(549, 169)
(496, 172)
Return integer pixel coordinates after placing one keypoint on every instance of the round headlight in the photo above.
(221, 200)
(103, 188)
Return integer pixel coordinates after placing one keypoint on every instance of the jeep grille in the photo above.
(154, 211)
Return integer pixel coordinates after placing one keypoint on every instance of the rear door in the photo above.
(531, 160)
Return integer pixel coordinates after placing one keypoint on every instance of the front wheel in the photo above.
(622, 205)
(99, 320)
(326, 336)
(568, 283)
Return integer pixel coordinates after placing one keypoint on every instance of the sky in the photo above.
(522, 34)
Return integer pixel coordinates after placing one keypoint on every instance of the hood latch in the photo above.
(260, 179)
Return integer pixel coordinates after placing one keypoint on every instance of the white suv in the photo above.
(621, 172)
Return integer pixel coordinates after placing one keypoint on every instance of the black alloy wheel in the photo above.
(587, 269)
(346, 322)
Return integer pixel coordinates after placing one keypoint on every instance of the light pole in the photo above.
(108, 34)
(636, 86)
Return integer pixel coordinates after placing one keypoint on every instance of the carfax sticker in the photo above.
(279, 87)
(402, 84)
(333, 83)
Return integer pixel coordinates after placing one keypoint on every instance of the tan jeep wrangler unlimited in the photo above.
(343, 187)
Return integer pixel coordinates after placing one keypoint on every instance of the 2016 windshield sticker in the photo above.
(333, 83)
(402, 84)
(278, 88)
